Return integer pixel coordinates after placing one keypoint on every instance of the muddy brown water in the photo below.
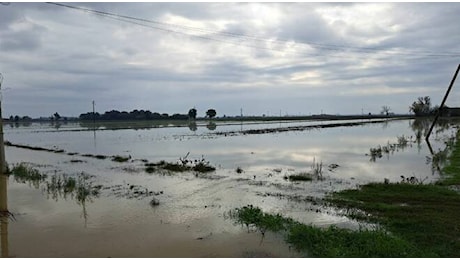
(192, 218)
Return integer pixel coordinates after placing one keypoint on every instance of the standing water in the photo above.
(84, 204)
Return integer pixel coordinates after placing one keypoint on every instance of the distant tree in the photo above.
(16, 118)
(422, 107)
(385, 110)
(57, 116)
(211, 113)
(192, 113)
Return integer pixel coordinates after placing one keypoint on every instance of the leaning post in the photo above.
(442, 103)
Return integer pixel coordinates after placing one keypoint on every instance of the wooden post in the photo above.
(4, 213)
(442, 103)
(2, 144)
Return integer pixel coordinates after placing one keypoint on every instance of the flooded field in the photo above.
(122, 209)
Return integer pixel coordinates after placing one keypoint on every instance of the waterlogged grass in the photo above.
(451, 172)
(119, 158)
(415, 219)
(183, 166)
(300, 177)
(315, 173)
(24, 173)
(329, 242)
(426, 216)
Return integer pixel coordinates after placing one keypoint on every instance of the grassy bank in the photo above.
(416, 220)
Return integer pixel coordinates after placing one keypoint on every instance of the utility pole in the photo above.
(94, 114)
(442, 103)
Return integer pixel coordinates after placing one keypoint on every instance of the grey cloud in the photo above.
(80, 57)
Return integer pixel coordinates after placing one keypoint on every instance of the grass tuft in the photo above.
(119, 158)
(23, 173)
(300, 177)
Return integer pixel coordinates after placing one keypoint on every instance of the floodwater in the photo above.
(192, 218)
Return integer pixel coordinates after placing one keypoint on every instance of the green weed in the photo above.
(327, 242)
(23, 173)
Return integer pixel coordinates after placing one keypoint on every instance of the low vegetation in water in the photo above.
(451, 172)
(303, 176)
(24, 173)
(326, 242)
(239, 170)
(378, 151)
(415, 219)
(183, 165)
(119, 158)
(316, 173)
(424, 215)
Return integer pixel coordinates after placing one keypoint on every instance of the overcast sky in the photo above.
(303, 58)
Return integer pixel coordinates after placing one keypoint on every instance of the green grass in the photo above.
(451, 172)
(426, 216)
(23, 173)
(329, 242)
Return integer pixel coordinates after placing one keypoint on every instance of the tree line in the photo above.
(143, 115)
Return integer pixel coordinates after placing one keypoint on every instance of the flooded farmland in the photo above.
(121, 209)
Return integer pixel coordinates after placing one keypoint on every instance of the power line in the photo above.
(188, 29)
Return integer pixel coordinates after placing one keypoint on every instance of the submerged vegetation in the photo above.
(451, 172)
(184, 164)
(316, 173)
(119, 158)
(24, 173)
(390, 148)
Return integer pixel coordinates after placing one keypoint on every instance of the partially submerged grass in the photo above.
(415, 219)
(424, 215)
(316, 173)
(203, 167)
(182, 166)
(119, 158)
(239, 170)
(300, 177)
(329, 242)
(24, 173)
(451, 172)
